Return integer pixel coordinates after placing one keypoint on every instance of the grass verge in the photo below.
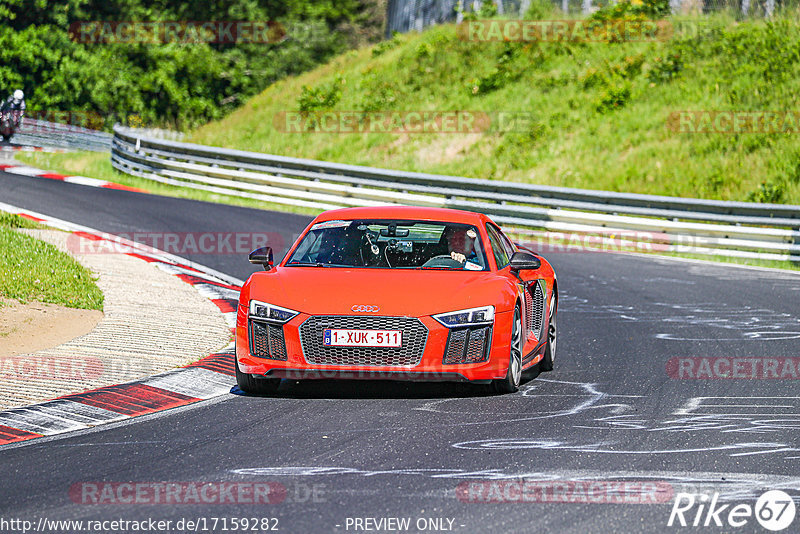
(31, 269)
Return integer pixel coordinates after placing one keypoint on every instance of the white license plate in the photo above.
(332, 337)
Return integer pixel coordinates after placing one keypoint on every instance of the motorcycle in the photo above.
(8, 125)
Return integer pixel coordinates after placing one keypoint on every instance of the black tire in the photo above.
(552, 337)
(510, 383)
(256, 386)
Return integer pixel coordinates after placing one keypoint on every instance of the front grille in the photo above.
(266, 341)
(467, 345)
(535, 305)
(415, 335)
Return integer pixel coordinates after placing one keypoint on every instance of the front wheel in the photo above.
(257, 386)
(552, 336)
(6, 133)
(513, 377)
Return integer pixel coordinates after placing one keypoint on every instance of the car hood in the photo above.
(334, 291)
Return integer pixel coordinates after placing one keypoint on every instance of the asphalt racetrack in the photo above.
(604, 443)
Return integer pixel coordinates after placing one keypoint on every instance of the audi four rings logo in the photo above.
(364, 308)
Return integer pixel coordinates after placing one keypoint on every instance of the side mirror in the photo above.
(522, 260)
(262, 256)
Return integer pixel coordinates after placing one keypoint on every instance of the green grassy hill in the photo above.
(601, 109)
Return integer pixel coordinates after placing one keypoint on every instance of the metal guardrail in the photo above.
(36, 132)
(558, 217)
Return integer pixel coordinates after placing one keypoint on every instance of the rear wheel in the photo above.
(552, 336)
(258, 386)
(513, 377)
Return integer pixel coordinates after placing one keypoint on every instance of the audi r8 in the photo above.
(377, 293)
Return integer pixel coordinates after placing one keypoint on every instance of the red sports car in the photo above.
(397, 293)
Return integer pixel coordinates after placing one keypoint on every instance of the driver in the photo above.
(461, 244)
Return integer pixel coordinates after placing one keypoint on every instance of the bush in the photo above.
(487, 10)
(502, 73)
(384, 46)
(540, 10)
(771, 192)
(377, 94)
(625, 9)
(613, 97)
(615, 81)
(172, 85)
(320, 98)
(666, 68)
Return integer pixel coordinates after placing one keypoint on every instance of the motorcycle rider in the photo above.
(15, 102)
(14, 109)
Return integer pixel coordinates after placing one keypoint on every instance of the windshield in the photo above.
(391, 244)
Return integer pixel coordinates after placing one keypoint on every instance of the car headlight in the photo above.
(270, 312)
(472, 316)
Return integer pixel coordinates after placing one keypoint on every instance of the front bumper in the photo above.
(429, 369)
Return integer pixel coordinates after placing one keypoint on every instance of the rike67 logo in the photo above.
(774, 510)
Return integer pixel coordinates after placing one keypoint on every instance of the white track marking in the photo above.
(25, 170)
(84, 180)
(193, 382)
